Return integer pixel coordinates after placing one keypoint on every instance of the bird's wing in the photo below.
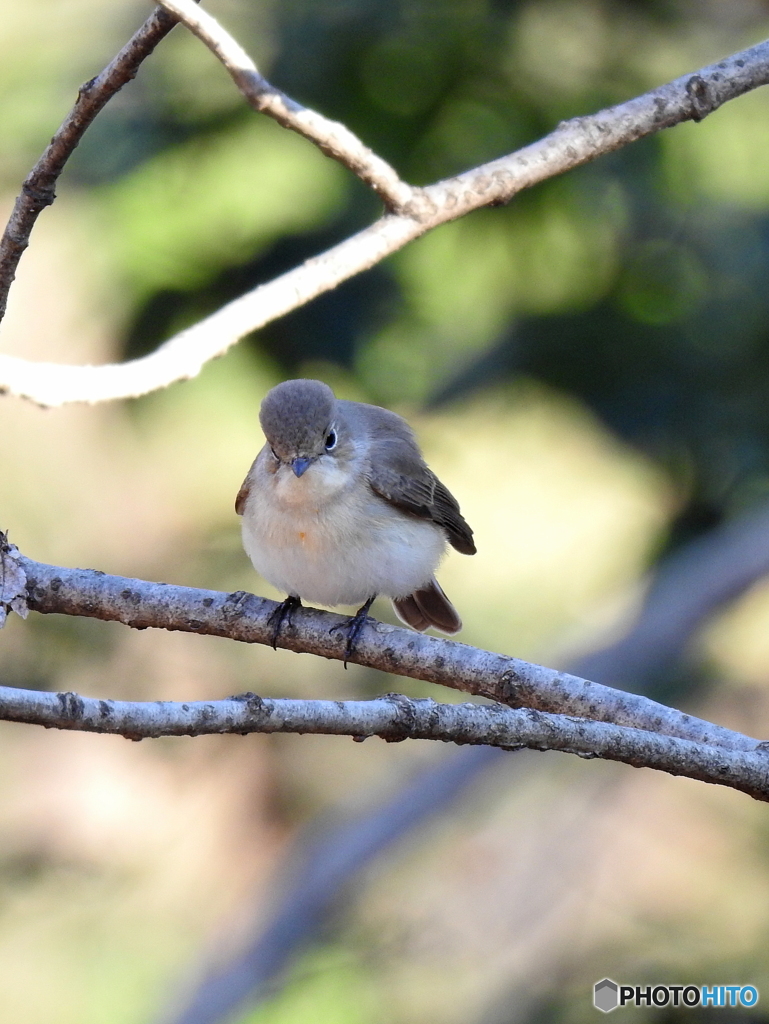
(398, 474)
(242, 498)
(245, 490)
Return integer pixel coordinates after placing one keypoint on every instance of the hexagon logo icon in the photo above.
(606, 995)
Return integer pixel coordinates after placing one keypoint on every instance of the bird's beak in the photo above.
(299, 465)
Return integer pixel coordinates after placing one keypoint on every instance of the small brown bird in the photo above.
(339, 507)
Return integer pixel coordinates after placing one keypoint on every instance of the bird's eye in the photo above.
(330, 442)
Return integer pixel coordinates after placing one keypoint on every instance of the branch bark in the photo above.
(551, 710)
(573, 143)
(394, 718)
(333, 138)
(38, 190)
(246, 617)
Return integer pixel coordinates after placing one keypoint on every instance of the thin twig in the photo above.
(395, 718)
(572, 144)
(38, 190)
(333, 138)
(245, 617)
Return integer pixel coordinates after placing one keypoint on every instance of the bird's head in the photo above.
(300, 419)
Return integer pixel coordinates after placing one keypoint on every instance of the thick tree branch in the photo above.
(245, 617)
(38, 190)
(333, 138)
(573, 143)
(395, 718)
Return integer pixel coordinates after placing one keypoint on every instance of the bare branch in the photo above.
(583, 139)
(184, 356)
(395, 718)
(245, 617)
(333, 138)
(573, 143)
(38, 190)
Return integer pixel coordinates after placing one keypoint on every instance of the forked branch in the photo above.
(573, 143)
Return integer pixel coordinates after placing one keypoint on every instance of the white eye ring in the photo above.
(331, 439)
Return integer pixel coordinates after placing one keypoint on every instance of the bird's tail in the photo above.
(428, 606)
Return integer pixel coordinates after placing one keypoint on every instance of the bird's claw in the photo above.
(285, 610)
(353, 626)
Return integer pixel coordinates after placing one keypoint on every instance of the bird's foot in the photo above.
(353, 626)
(284, 611)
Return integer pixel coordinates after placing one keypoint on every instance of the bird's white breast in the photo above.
(327, 538)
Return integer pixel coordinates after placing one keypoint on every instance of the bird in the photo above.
(339, 507)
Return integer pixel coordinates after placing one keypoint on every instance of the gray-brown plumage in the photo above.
(428, 606)
(397, 472)
(340, 506)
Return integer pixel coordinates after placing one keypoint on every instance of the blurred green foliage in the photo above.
(634, 284)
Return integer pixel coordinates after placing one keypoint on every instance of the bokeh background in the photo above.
(587, 369)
